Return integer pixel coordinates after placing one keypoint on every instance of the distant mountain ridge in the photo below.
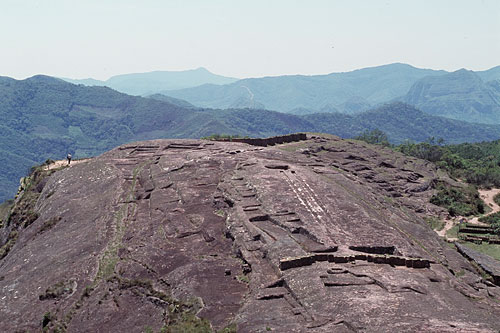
(461, 95)
(349, 92)
(313, 93)
(490, 74)
(44, 117)
(139, 84)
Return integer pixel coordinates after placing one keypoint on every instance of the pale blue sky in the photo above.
(102, 38)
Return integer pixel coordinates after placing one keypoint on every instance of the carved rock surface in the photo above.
(331, 243)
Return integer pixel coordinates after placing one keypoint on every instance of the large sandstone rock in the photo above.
(169, 231)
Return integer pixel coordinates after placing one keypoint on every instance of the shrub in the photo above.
(462, 201)
(376, 137)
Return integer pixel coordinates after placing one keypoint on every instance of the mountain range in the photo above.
(461, 95)
(44, 117)
(309, 94)
(153, 82)
(312, 232)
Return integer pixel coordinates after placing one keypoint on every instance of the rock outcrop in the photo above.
(487, 263)
(321, 235)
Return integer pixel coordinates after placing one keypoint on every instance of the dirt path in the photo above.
(60, 163)
(449, 224)
(487, 196)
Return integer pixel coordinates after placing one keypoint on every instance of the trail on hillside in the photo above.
(449, 223)
(485, 195)
(60, 163)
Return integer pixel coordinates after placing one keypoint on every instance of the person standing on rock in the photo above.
(68, 157)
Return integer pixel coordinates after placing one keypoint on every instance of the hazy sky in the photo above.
(251, 38)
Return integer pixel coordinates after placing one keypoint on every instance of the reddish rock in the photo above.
(152, 233)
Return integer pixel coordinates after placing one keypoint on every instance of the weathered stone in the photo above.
(374, 249)
(487, 263)
(188, 248)
(379, 259)
(267, 294)
(288, 263)
(396, 261)
(324, 249)
(277, 166)
(420, 263)
(340, 259)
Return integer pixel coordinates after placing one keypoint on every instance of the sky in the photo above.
(251, 38)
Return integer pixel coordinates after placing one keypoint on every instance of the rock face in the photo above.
(322, 235)
(487, 263)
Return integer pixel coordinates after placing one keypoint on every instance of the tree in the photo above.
(376, 137)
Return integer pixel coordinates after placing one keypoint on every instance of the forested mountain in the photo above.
(153, 82)
(284, 93)
(403, 122)
(44, 117)
(461, 95)
(172, 100)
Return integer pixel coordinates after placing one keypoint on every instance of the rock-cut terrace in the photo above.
(318, 235)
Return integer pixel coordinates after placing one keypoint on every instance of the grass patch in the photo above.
(243, 278)
(220, 213)
(11, 240)
(181, 314)
(484, 275)
(493, 250)
(22, 214)
(453, 232)
(50, 323)
(47, 318)
(58, 290)
(5, 208)
(188, 323)
(108, 261)
(435, 223)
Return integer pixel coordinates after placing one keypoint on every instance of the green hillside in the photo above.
(403, 122)
(44, 117)
(477, 163)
